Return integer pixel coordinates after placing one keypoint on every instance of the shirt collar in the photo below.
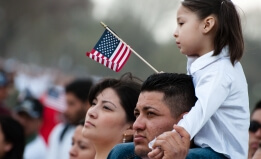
(196, 63)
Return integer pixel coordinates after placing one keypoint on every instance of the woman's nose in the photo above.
(92, 112)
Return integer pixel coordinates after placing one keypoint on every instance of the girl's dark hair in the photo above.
(14, 134)
(127, 88)
(229, 31)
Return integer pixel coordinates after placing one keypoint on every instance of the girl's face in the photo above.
(105, 120)
(81, 146)
(188, 33)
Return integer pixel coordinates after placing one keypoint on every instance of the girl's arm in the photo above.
(211, 89)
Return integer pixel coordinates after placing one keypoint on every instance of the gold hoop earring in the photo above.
(124, 138)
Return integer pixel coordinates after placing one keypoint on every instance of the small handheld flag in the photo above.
(110, 52)
(113, 52)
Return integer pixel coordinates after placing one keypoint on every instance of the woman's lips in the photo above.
(88, 123)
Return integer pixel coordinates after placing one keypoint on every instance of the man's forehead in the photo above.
(150, 99)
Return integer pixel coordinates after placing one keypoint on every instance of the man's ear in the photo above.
(181, 116)
(208, 24)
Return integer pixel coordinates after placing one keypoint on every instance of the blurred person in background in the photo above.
(12, 139)
(76, 97)
(255, 130)
(257, 154)
(4, 110)
(29, 113)
(109, 120)
(54, 104)
(81, 148)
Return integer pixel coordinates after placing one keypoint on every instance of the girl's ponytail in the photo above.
(229, 31)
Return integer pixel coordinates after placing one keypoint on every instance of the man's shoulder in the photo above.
(123, 151)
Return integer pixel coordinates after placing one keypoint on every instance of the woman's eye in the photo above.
(136, 114)
(107, 108)
(181, 24)
(93, 104)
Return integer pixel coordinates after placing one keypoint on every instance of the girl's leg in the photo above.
(204, 153)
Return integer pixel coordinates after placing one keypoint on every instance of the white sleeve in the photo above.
(211, 90)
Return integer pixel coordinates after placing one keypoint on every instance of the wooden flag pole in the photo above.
(106, 27)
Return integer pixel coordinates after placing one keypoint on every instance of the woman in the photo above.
(111, 115)
(81, 148)
(12, 140)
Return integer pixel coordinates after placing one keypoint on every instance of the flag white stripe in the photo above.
(110, 65)
(120, 54)
(125, 56)
(114, 67)
(116, 51)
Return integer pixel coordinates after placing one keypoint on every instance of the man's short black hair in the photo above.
(178, 89)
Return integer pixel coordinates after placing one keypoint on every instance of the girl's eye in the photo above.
(181, 24)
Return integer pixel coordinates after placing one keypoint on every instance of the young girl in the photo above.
(209, 33)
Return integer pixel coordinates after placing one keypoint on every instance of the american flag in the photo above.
(55, 98)
(110, 52)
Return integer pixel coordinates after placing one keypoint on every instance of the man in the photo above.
(76, 94)
(255, 130)
(29, 113)
(163, 101)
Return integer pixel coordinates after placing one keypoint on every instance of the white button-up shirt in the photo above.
(220, 118)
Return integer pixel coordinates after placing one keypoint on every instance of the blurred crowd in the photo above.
(41, 107)
(42, 114)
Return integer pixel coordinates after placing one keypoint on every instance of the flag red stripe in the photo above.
(117, 54)
(125, 60)
(122, 55)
